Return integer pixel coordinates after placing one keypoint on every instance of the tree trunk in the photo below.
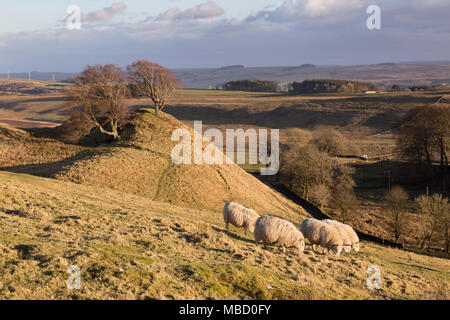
(114, 131)
(422, 246)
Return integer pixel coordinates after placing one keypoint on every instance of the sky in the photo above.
(202, 33)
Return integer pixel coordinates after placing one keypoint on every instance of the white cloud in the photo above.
(104, 14)
(300, 10)
(169, 14)
(205, 10)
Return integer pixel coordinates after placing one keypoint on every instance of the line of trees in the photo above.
(423, 138)
(329, 86)
(98, 95)
(251, 86)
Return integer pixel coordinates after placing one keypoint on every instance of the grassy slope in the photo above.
(140, 164)
(130, 247)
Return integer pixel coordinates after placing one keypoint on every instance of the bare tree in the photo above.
(331, 142)
(294, 138)
(424, 134)
(153, 81)
(98, 96)
(397, 202)
(432, 211)
(345, 202)
(304, 167)
(321, 194)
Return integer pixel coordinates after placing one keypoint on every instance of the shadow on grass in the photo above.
(48, 169)
(415, 266)
(233, 235)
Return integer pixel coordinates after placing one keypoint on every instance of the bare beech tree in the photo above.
(397, 202)
(424, 135)
(345, 202)
(432, 212)
(321, 194)
(98, 95)
(153, 81)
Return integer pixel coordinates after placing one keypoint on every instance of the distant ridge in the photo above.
(231, 67)
(383, 74)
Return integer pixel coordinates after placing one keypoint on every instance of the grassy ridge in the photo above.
(140, 163)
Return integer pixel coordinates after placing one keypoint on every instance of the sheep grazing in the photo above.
(353, 236)
(346, 240)
(322, 234)
(239, 216)
(272, 230)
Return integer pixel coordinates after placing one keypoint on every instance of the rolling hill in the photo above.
(140, 164)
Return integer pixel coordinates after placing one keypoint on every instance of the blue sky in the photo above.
(206, 33)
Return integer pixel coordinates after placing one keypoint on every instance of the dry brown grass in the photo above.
(140, 164)
(129, 247)
(19, 151)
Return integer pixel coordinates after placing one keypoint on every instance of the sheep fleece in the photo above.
(346, 240)
(275, 230)
(318, 232)
(239, 216)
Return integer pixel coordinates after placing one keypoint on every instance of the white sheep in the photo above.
(239, 216)
(272, 230)
(353, 236)
(322, 234)
(346, 240)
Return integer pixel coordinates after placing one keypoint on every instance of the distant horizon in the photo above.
(255, 66)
